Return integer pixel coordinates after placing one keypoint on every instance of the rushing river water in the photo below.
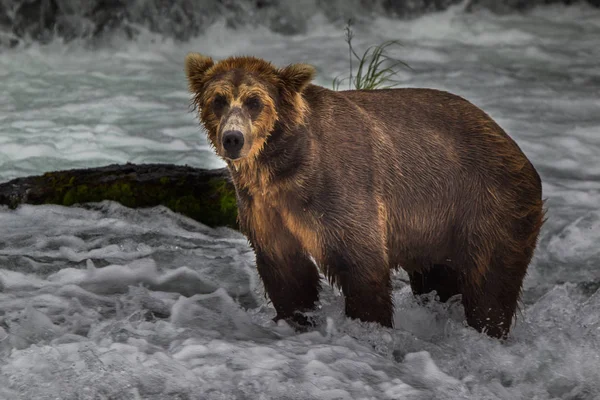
(105, 302)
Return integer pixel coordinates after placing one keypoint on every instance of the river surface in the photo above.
(105, 302)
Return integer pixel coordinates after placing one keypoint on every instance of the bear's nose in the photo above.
(233, 141)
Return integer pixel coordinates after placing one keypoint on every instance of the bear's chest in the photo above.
(276, 219)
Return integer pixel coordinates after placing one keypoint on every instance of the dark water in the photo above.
(23, 21)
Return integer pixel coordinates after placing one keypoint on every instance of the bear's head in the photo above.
(242, 99)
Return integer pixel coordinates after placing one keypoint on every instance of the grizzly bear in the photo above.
(358, 182)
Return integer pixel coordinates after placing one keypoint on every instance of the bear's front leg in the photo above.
(291, 281)
(364, 277)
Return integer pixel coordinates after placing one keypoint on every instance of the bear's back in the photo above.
(417, 112)
(424, 129)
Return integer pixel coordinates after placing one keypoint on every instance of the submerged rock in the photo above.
(208, 196)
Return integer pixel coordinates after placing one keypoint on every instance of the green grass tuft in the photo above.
(376, 68)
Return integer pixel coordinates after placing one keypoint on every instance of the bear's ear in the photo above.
(297, 76)
(195, 66)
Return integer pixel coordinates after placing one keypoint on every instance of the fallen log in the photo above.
(207, 196)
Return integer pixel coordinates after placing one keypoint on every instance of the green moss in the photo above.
(228, 201)
(121, 192)
(118, 191)
(190, 206)
(215, 207)
(70, 197)
(59, 186)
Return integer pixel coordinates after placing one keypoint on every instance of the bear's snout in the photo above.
(233, 141)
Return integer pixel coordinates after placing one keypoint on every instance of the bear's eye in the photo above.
(219, 103)
(253, 103)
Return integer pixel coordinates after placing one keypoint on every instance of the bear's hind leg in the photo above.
(364, 278)
(442, 278)
(292, 283)
(491, 293)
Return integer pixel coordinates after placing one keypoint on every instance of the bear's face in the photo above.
(241, 98)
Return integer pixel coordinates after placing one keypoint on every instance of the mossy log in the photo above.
(207, 196)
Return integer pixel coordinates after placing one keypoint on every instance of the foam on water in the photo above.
(107, 302)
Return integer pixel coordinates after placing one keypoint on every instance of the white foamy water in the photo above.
(104, 302)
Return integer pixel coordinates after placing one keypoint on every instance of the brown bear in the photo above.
(358, 182)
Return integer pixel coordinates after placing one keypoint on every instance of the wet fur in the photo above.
(368, 181)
